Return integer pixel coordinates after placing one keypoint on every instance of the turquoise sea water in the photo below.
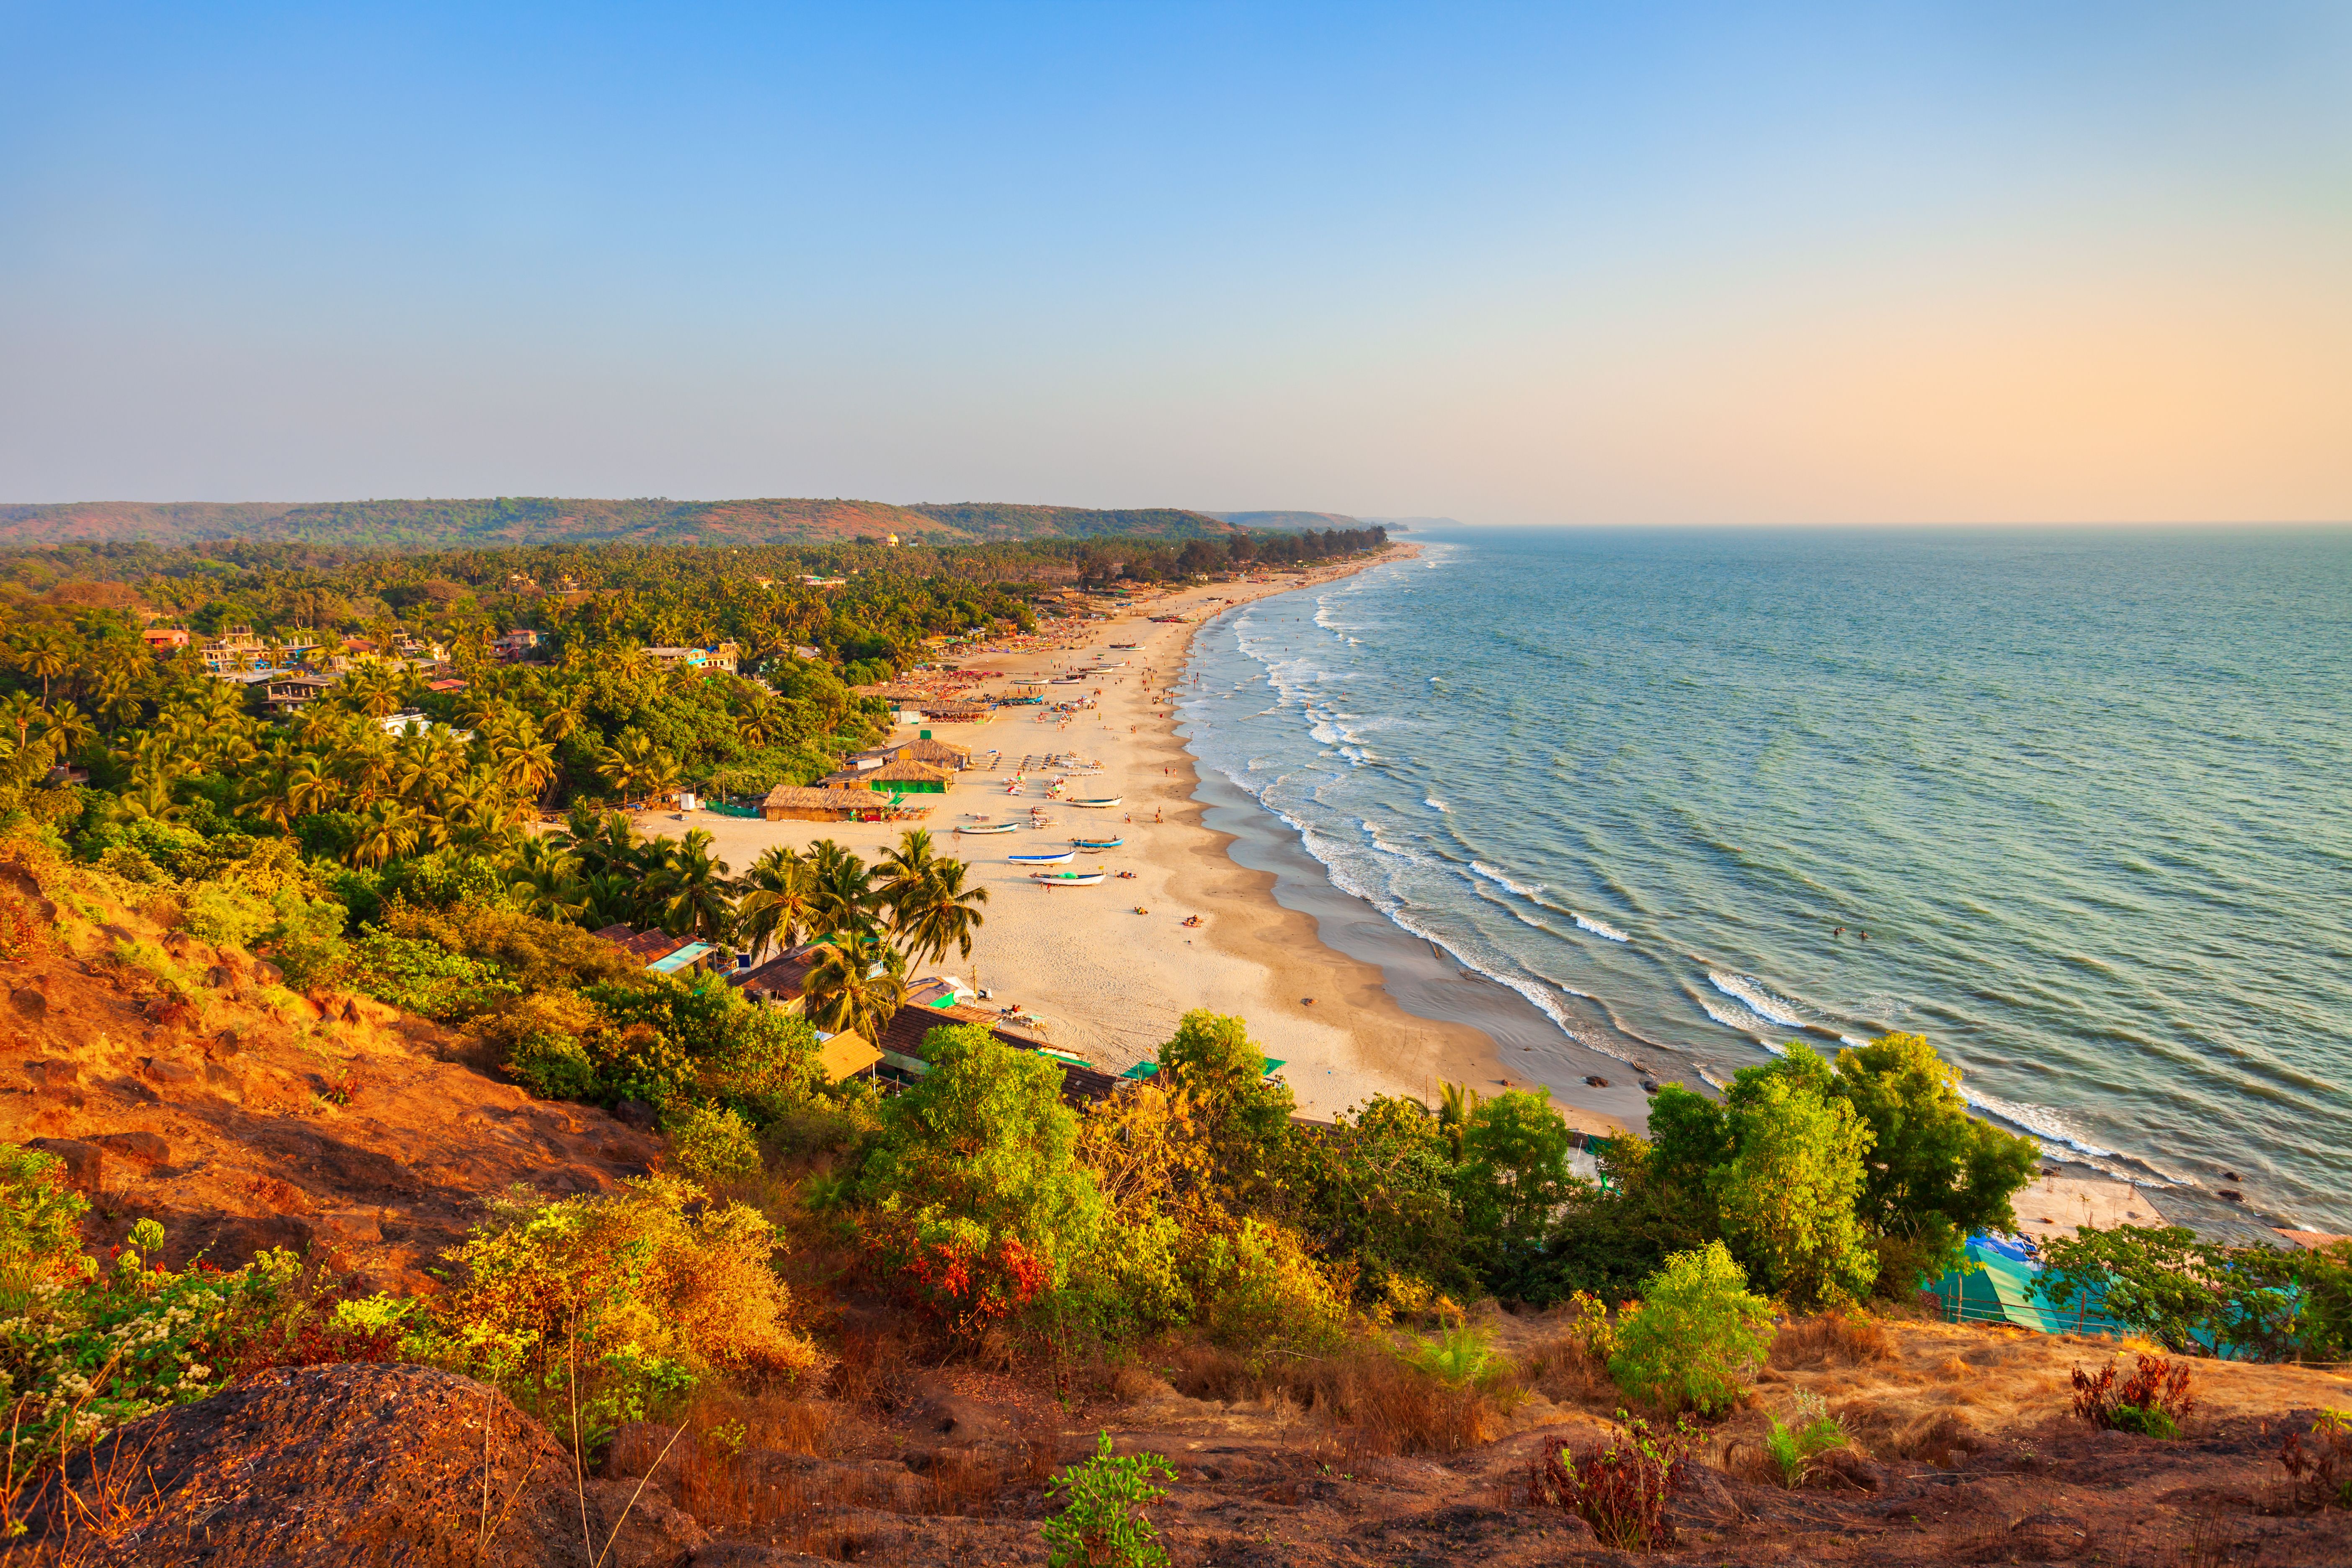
(2090, 795)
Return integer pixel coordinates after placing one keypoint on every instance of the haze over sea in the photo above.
(2086, 792)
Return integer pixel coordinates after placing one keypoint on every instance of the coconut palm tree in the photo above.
(20, 713)
(43, 654)
(546, 878)
(903, 870)
(772, 907)
(70, 727)
(388, 832)
(856, 985)
(937, 913)
(840, 895)
(688, 889)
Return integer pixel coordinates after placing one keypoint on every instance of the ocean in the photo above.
(2073, 806)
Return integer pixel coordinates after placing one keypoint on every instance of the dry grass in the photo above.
(1561, 1369)
(1366, 1400)
(1832, 1339)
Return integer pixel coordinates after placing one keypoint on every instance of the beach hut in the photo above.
(845, 1054)
(895, 777)
(794, 803)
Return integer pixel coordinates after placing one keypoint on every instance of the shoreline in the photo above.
(1414, 976)
(1111, 969)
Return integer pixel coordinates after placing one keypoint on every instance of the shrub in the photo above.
(79, 1360)
(1259, 1293)
(1621, 1489)
(538, 1037)
(2320, 1471)
(980, 1150)
(2153, 1400)
(709, 1145)
(1459, 1358)
(1101, 1523)
(632, 1297)
(1694, 1335)
(1791, 1449)
(40, 1221)
(224, 915)
(424, 977)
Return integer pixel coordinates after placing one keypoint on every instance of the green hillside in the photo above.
(1000, 519)
(511, 522)
(1288, 522)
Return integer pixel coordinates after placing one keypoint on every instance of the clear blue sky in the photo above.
(1518, 264)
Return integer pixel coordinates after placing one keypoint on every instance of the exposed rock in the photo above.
(47, 1072)
(1845, 1468)
(646, 1528)
(328, 1465)
(139, 1148)
(633, 1113)
(85, 1162)
(29, 1002)
(170, 1074)
(268, 973)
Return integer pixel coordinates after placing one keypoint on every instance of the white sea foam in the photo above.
(1523, 890)
(1751, 993)
(1436, 804)
(1738, 1018)
(1599, 928)
(2041, 1121)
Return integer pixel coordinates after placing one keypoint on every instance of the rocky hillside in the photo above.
(183, 1084)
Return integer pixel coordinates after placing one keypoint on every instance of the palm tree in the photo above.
(903, 870)
(841, 890)
(1457, 1103)
(43, 654)
(689, 889)
(937, 913)
(310, 787)
(150, 795)
(547, 879)
(70, 729)
(774, 907)
(856, 985)
(20, 713)
(630, 763)
(389, 832)
(525, 761)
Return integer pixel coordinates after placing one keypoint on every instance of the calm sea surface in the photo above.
(2089, 795)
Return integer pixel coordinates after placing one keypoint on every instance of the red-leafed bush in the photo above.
(967, 1288)
(2153, 1399)
(2318, 1464)
(1621, 1487)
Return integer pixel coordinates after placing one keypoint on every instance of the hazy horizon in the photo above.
(1994, 266)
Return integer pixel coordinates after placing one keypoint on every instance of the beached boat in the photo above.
(1045, 857)
(989, 827)
(1096, 843)
(1067, 879)
(1103, 804)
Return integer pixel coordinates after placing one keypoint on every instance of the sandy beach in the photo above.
(1111, 968)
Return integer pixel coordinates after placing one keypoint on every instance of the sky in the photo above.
(1634, 264)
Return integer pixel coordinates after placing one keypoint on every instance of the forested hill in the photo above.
(999, 520)
(516, 521)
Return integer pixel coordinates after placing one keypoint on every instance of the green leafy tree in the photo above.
(981, 1150)
(1933, 1173)
(1513, 1177)
(1696, 1335)
(1787, 1196)
(1244, 1116)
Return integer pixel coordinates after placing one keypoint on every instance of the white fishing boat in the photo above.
(1067, 879)
(988, 828)
(1096, 843)
(1103, 804)
(1046, 858)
